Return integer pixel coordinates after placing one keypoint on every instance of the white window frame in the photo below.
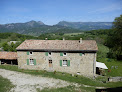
(63, 63)
(49, 54)
(30, 53)
(30, 62)
(64, 54)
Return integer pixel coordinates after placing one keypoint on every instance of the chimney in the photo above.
(80, 40)
(63, 38)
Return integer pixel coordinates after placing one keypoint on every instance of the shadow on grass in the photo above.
(117, 89)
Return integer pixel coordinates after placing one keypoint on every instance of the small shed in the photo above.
(8, 58)
(100, 68)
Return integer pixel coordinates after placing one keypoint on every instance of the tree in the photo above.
(12, 47)
(114, 42)
(5, 46)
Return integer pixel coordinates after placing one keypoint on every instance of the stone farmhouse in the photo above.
(71, 56)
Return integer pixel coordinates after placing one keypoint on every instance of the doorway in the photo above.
(50, 64)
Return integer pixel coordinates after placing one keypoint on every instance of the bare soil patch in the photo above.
(29, 83)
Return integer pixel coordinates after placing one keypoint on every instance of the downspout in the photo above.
(94, 67)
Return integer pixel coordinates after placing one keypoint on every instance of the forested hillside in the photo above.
(35, 28)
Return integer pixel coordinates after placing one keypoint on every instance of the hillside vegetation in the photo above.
(36, 28)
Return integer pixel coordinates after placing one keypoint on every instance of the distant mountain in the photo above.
(86, 25)
(36, 28)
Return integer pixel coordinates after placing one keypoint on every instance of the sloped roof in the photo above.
(101, 65)
(58, 45)
(8, 55)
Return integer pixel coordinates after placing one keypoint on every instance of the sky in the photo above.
(51, 12)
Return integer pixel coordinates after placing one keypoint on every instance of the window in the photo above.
(64, 54)
(31, 62)
(65, 63)
(30, 53)
(81, 54)
(49, 53)
(50, 61)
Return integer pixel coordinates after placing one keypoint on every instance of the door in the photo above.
(50, 63)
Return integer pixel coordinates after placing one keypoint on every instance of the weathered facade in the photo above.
(71, 56)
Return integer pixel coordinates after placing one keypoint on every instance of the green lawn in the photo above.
(5, 85)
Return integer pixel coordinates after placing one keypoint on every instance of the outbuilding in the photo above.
(8, 58)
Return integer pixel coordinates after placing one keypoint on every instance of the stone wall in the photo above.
(78, 64)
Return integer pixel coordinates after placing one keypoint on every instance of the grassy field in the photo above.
(69, 89)
(72, 34)
(98, 82)
(5, 85)
(114, 66)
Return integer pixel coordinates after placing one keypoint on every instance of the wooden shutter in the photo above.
(46, 53)
(34, 61)
(68, 62)
(27, 61)
(27, 53)
(80, 54)
(60, 62)
(61, 54)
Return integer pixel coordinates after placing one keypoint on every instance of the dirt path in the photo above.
(29, 83)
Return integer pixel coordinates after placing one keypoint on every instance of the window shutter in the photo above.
(46, 53)
(27, 53)
(80, 54)
(68, 62)
(27, 61)
(34, 61)
(61, 54)
(60, 62)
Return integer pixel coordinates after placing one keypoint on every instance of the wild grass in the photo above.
(114, 66)
(69, 89)
(98, 82)
(5, 85)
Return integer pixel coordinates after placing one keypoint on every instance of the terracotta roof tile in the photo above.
(58, 45)
(8, 55)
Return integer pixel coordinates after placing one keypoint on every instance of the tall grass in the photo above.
(5, 85)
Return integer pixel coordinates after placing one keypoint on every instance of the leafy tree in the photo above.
(114, 42)
(5, 46)
(12, 47)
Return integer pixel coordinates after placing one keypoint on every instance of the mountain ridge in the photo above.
(38, 27)
(86, 25)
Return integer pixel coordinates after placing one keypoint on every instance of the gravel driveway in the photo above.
(29, 83)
